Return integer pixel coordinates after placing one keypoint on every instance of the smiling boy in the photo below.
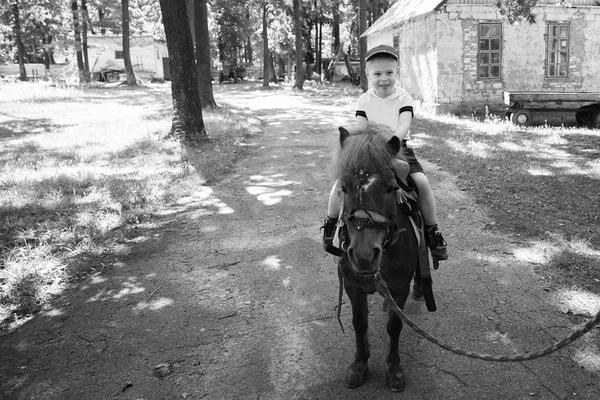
(386, 104)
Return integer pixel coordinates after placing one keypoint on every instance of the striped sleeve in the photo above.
(360, 107)
(406, 103)
(406, 108)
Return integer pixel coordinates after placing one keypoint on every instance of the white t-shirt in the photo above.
(386, 110)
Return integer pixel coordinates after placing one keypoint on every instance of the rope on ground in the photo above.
(383, 289)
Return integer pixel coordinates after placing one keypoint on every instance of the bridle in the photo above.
(368, 219)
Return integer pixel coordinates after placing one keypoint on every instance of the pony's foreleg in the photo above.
(395, 373)
(359, 369)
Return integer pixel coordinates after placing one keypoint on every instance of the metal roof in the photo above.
(403, 10)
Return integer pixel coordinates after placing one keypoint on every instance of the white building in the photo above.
(106, 53)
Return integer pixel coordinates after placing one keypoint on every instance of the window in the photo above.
(557, 50)
(489, 53)
(118, 54)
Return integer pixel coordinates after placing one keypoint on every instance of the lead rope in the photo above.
(383, 289)
(340, 295)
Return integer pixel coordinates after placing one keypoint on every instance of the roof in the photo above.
(403, 10)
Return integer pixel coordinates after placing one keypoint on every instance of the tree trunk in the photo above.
(101, 21)
(126, 53)
(188, 124)
(273, 73)
(336, 26)
(203, 54)
(19, 40)
(362, 43)
(316, 67)
(319, 49)
(77, 31)
(84, 29)
(249, 50)
(266, 53)
(299, 53)
(376, 12)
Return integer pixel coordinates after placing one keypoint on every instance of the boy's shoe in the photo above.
(436, 243)
(328, 231)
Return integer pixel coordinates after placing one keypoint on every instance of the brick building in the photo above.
(462, 55)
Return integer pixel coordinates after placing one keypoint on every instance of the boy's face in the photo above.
(381, 73)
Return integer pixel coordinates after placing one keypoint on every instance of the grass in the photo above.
(537, 183)
(77, 167)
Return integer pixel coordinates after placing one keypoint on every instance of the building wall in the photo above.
(418, 58)
(524, 53)
(383, 37)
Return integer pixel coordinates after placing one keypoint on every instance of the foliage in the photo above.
(40, 21)
(146, 19)
(517, 10)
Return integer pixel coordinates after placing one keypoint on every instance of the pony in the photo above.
(377, 237)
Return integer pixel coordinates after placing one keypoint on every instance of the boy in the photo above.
(391, 106)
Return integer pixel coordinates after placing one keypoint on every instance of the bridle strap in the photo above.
(389, 224)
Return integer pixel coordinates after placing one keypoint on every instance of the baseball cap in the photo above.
(381, 49)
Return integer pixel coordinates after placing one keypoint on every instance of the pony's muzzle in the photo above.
(365, 259)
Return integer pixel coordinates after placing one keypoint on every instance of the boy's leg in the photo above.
(427, 204)
(333, 210)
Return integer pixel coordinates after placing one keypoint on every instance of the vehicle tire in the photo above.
(585, 115)
(522, 117)
(596, 122)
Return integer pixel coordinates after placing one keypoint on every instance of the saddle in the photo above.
(407, 196)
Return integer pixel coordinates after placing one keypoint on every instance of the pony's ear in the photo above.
(394, 144)
(343, 135)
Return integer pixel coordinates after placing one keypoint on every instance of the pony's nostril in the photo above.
(376, 253)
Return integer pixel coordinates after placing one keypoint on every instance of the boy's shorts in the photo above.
(409, 156)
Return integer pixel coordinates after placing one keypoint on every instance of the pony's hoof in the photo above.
(395, 379)
(356, 375)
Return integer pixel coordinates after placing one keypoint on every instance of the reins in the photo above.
(582, 330)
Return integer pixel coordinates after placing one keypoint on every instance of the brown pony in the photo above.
(377, 237)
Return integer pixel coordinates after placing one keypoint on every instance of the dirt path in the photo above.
(231, 297)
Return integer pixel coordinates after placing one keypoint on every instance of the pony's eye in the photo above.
(344, 189)
(390, 190)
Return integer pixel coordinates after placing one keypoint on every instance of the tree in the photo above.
(19, 40)
(188, 124)
(362, 43)
(299, 53)
(266, 53)
(85, 17)
(78, 48)
(203, 54)
(375, 10)
(126, 53)
(335, 29)
(232, 21)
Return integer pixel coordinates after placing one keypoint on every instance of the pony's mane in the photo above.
(366, 147)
